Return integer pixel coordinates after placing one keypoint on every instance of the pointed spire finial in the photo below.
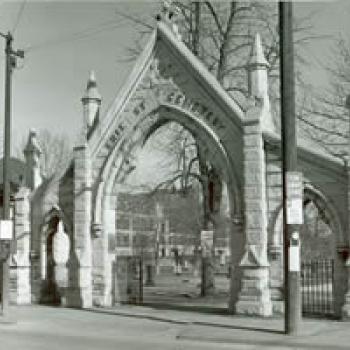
(92, 76)
(92, 80)
(91, 91)
(257, 57)
(32, 145)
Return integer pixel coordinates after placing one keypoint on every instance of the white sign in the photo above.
(294, 258)
(207, 241)
(294, 182)
(6, 229)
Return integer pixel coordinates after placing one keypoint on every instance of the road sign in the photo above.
(294, 258)
(6, 229)
(294, 198)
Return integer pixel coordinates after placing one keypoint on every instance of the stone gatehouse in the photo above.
(63, 226)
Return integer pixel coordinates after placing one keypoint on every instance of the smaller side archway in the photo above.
(322, 237)
(55, 246)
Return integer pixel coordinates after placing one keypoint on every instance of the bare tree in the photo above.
(324, 116)
(221, 35)
(56, 153)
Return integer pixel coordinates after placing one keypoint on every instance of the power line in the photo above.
(19, 16)
(84, 34)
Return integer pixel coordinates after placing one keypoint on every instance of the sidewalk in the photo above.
(261, 332)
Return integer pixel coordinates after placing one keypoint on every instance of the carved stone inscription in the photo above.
(175, 98)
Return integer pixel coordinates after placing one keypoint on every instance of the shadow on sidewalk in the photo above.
(216, 311)
(183, 320)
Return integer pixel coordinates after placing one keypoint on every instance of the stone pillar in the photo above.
(21, 293)
(103, 259)
(79, 293)
(207, 261)
(254, 297)
(236, 242)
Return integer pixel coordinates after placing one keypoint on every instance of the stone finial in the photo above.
(258, 86)
(91, 104)
(168, 14)
(91, 92)
(257, 57)
(32, 145)
(32, 153)
(257, 70)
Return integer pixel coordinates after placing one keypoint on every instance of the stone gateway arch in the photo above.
(167, 84)
(238, 137)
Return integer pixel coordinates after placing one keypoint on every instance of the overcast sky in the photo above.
(64, 40)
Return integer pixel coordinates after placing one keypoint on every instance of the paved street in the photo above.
(39, 327)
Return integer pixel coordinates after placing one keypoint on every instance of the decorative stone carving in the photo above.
(61, 245)
(168, 14)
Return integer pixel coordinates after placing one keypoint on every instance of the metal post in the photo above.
(290, 184)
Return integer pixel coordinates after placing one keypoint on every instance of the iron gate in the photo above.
(317, 285)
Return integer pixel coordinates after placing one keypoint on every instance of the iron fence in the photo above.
(317, 287)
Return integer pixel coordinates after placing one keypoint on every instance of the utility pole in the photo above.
(5, 248)
(195, 34)
(292, 179)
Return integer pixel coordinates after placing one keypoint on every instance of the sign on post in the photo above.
(294, 258)
(207, 241)
(6, 229)
(294, 198)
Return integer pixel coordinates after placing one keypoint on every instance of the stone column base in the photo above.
(253, 308)
(79, 290)
(102, 300)
(254, 298)
(21, 295)
(79, 298)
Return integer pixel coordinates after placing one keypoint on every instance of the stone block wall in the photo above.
(254, 297)
(79, 291)
(20, 291)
